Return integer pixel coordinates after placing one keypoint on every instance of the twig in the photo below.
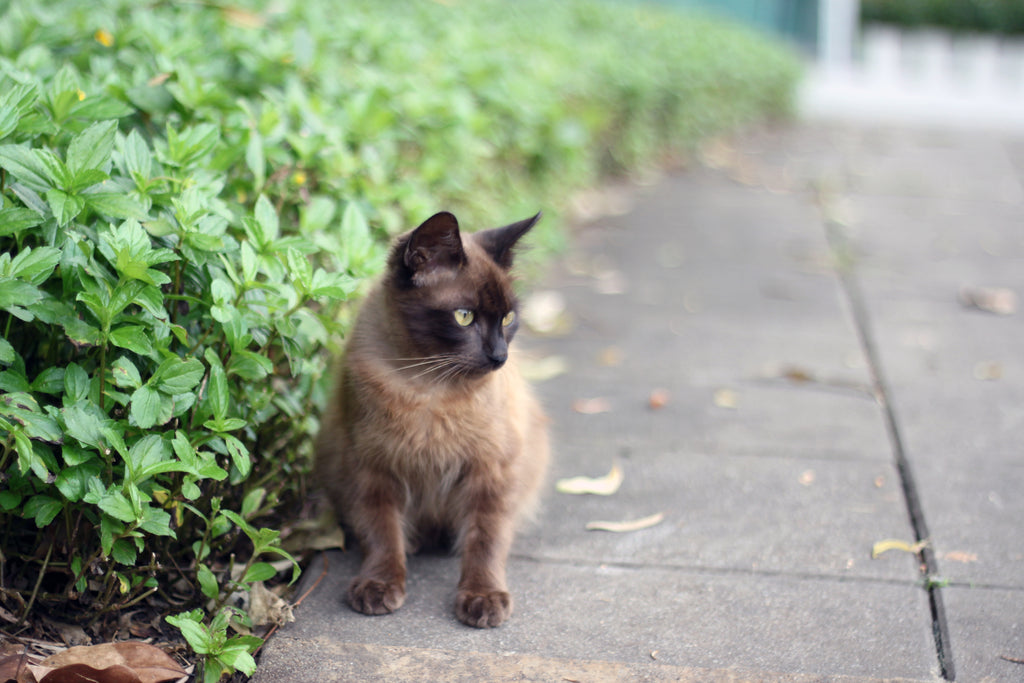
(1015, 660)
(35, 589)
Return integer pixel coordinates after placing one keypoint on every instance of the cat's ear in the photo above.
(499, 242)
(436, 244)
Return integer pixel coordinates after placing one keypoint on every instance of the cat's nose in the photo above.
(498, 353)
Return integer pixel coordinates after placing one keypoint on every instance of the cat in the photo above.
(432, 429)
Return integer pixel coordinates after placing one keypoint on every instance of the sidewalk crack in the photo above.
(843, 251)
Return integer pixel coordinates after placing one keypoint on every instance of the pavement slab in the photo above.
(793, 303)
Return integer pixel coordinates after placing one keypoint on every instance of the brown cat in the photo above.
(432, 429)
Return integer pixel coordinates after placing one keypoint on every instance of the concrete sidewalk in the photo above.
(798, 298)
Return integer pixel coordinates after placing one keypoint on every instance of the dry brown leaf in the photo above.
(266, 608)
(591, 406)
(896, 544)
(601, 486)
(150, 664)
(15, 668)
(83, 673)
(658, 399)
(630, 525)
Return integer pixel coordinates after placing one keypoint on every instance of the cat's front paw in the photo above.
(371, 596)
(483, 609)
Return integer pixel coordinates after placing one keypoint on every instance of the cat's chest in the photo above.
(435, 428)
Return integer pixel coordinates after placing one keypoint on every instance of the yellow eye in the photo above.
(508, 319)
(463, 317)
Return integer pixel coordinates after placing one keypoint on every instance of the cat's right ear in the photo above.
(435, 245)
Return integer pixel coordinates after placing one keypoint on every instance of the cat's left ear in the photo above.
(499, 242)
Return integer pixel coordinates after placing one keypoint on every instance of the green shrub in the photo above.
(191, 193)
(991, 16)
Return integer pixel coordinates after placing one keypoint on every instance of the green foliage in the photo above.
(190, 194)
(991, 16)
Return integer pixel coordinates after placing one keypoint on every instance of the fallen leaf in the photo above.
(610, 357)
(807, 478)
(14, 668)
(988, 370)
(631, 525)
(654, 654)
(591, 406)
(543, 369)
(961, 556)
(83, 673)
(896, 544)
(879, 481)
(266, 608)
(796, 374)
(658, 399)
(726, 398)
(601, 486)
(148, 663)
(998, 300)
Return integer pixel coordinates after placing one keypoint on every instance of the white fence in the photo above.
(922, 76)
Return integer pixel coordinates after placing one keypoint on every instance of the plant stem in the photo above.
(35, 589)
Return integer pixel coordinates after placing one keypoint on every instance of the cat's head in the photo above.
(453, 294)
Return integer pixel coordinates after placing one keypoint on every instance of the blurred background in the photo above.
(949, 62)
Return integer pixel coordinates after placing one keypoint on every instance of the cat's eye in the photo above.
(509, 318)
(463, 316)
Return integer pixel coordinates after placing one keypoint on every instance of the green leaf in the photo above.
(7, 353)
(17, 293)
(15, 220)
(217, 388)
(116, 205)
(76, 383)
(65, 207)
(207, 582)
(238, 659)
(134, 338)
(73, 482)
(156, 521)
(252, 502)
(259, 571)
(176, 376)
(28, 166)
(124, 552)
(115, 504)
(91, 148)
(43, 509)
(197, 635)
(146, 407)
(239, 454)
(35, 265)
(266, 222)
(126, 375)
(83, 421)
(49, 381)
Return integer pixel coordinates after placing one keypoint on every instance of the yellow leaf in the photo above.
(631, 525)
(896, 544)
(601, 486)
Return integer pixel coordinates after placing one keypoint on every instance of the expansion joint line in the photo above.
(842, 252)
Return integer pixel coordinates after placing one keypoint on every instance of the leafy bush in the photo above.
(191, 193)
(992, 16)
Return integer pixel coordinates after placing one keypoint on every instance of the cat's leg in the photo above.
(486, 535)
(376, 517)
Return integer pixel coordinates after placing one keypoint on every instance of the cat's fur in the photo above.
(432, 430)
